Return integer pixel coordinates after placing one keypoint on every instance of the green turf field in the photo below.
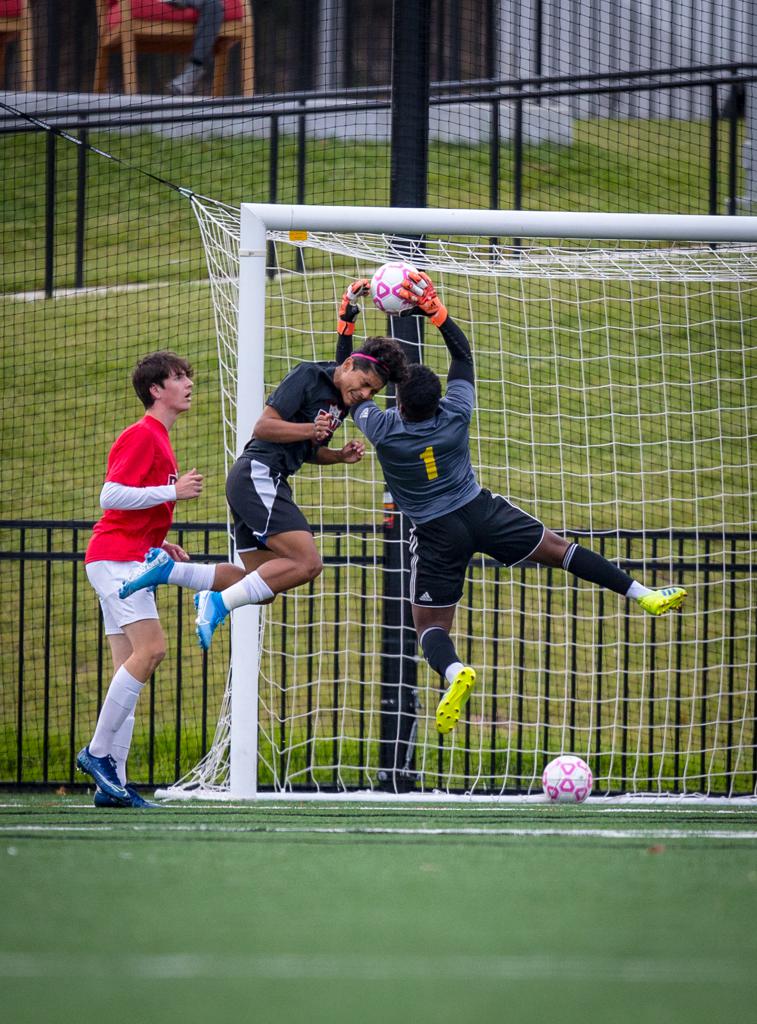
(345, 913)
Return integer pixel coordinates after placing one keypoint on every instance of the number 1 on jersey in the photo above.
(427, 457)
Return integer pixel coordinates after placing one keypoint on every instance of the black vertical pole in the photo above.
(21, 653)
(410, 96)
(518, 156)
(733, 135)
(538, 39)
(53, 46)
(49, 215)
(73, 661)
(46, 671)
(273, 187)
(409, 174)
(301, 175)
(81, 207)
(713, 207)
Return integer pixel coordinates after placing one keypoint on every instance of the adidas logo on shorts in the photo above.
(426, 597)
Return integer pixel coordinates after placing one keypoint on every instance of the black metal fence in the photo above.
(56, 662)
(56, 666)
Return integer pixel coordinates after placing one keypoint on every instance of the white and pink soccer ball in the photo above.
(385, 285)
(567, 779)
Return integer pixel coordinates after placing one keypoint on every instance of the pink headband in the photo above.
(372, 359)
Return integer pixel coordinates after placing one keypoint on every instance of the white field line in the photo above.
(377, 966)
(590, 808)
(368, 797)
(117, 289)
(98, 290)
(358, 830)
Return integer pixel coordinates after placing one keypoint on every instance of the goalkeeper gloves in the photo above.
(419, 289)
(348, 310)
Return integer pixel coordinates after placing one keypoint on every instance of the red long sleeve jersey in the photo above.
(141, 456)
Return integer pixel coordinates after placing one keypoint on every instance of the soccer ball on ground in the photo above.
(385, 284)
(567, 779)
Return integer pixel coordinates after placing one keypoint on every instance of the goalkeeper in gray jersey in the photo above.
(422, 445)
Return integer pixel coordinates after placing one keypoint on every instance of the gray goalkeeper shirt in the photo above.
(426, 465)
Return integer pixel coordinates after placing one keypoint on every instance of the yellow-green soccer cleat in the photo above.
(454, 700)
(661, 601)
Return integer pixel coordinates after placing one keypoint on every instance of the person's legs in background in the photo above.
(209, 20)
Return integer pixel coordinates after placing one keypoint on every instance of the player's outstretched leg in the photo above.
(440, 653)
(103, 771)
(211, 611)
(657, 602)
(454, 699)
(155, 569)
(135, 799)
(588, 565)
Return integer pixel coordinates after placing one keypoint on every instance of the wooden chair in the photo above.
(16, 27)
(149, 26)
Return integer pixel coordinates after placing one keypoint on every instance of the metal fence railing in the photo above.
(56, 666)
(56, 662)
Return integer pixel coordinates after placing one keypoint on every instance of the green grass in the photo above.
(338, 913)
(65, 368)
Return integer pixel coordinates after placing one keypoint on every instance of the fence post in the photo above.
(49, 214)
(81, 207)
(713, 207)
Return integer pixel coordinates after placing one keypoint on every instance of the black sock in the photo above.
(438, 649)
(588, 565)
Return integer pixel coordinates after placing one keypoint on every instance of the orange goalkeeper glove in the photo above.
(348, 310)
(419, 289)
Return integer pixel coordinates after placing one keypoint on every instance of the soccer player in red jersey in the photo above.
(142, 485)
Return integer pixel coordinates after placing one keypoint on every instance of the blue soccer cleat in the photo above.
(103, 800)
(103, 771)
(155, 569)
(211, 611)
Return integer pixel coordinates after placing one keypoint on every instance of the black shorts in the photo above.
(442, 548)
(261, 505)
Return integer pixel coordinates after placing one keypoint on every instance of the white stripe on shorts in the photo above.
(265, 488)
(413, 546)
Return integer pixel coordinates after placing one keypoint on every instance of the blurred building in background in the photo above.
(337, 44)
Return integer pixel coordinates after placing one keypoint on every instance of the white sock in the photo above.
(452, 671)
(120, 701)
(250, 590)
(195, 575)
(636, 590)
(121, 746)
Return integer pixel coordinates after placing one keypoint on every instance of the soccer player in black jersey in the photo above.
(422, 446)
(273, 538)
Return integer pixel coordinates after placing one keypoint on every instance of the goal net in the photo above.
(615, 401)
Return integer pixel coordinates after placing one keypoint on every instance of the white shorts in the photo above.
(106, 578)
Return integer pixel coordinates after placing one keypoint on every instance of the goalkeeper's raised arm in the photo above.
(348, 313)
(419, 289)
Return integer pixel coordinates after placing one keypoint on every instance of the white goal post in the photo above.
(614, 400)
